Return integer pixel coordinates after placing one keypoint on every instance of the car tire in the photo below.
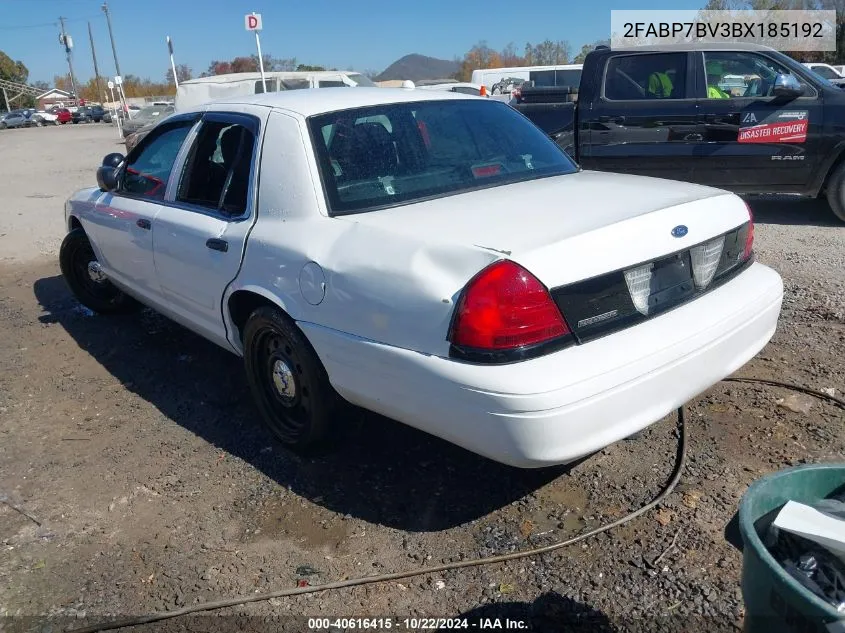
(836, 192)
(288, 382)
(75, 122)
(75, 258)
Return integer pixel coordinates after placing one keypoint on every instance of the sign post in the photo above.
(252, 22)
(115, 118)
(172, 63)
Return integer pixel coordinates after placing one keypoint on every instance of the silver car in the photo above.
(15, 118)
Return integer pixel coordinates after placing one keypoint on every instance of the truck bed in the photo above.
(555, 119)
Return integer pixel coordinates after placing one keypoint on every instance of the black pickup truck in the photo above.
(745, 118)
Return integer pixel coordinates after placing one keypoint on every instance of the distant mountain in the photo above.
(416, 67)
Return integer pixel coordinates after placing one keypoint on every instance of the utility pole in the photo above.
(67, 41)
(105, 8)
(94, 55)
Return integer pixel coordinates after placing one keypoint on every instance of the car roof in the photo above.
(311, 101)
(250, 76)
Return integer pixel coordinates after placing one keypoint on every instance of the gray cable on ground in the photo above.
(367, 580)
(489, 560)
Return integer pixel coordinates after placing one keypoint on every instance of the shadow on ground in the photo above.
(379, 470)
(550, 613)
(792, 210)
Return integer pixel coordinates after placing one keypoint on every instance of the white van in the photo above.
(194, 92)
(503, 80)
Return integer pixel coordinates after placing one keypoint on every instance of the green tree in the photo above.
(183, 73)
(11, 70)
(548, 53)
(587, 48)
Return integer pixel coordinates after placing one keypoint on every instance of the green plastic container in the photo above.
(774, 601)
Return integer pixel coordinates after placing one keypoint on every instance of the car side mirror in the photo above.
(787, 86)
(113, 160)
(107, 178)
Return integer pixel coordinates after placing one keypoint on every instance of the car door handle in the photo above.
(144, 224)
(693, 137)
(216, 244)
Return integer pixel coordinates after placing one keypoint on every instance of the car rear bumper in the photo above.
(564, 406)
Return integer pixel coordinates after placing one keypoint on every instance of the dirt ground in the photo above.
(134, 449)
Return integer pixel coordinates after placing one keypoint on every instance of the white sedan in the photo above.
(430, 256)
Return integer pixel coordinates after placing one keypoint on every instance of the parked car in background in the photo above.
(135, 137)
(430, 256)
(15, 118)
(145, 116)
(83, 114)
(64, 115)
(42, 117)
(97, 113)
(826, 71)
(784, 134)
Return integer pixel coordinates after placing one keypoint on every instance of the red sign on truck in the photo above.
(777, 127)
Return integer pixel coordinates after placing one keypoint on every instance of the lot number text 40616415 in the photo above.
(414, 624)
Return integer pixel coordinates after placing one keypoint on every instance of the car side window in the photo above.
(217, 172)
(148, 170)
(646, 76)
(737, 74)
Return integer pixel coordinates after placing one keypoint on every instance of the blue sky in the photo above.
(363, 34)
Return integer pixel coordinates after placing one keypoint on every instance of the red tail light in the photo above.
(506, 307)
(749, 236)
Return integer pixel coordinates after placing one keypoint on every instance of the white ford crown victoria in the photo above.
(430, 256)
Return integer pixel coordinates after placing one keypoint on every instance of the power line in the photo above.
(42, 25)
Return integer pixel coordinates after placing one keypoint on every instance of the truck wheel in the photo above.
(836, 192)
(87, 281)
(288, 382)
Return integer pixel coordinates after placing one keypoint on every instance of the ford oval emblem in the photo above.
(680, 231)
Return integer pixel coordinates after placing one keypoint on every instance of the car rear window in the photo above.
(393, 154)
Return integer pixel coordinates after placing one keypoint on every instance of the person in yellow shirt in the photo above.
(659, 85)
(715, 73)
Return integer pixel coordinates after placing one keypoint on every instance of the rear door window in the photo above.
(646, 76)
(217, 171)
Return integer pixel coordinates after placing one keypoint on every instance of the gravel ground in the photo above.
(134, 447)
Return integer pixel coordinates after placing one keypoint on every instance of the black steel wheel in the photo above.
(86, 279)
(288, 382)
